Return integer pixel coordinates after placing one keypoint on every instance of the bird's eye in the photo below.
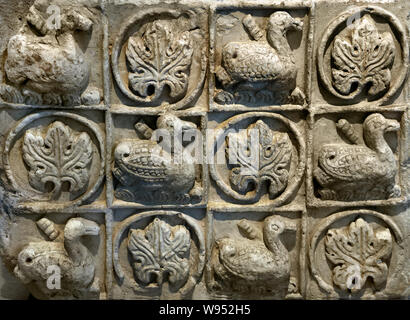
(268, 151)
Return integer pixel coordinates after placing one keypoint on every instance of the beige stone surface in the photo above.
(166, 149)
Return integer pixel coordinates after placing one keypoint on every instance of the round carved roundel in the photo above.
(159, 57)
(55, 156)
(363, 55)
(355, 253)
(256, 149)
(157, 247)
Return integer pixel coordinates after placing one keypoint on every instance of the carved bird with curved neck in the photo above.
(73, 259)
(257, 264)
(260, 64)
(360, 172)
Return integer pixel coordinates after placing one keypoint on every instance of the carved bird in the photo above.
(359, 172)
(262, 64)
(47, 61)
(254, 264)
(159, 171)
(74, 260)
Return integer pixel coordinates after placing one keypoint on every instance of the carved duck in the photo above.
(74, 260)
(262, 64)
(359, 172)
(257, 264)
(156, 171)
(48, 63)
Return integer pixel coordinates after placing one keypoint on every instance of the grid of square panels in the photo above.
(204, 66)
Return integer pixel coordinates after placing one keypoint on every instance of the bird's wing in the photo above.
(254, 61)
(349, 163)
(30, 60)
(252, 261)
(148, 167)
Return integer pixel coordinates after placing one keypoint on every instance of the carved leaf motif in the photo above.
(273, 153)
(358, 252)
(62, 156)
(364, 57)
(159, 250)
(161, 57)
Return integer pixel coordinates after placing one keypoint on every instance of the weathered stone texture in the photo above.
(204, 149)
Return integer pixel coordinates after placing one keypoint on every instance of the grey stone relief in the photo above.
(204, 149)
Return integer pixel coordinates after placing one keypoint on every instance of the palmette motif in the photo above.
(158, 59)
(363, 57)
(265, 159)
(359, 252)
(160, 253)
(62, 156)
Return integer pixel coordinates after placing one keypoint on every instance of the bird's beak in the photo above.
(83, 23)
(297, 24)
(186, 125)
(392, 125)
(291, 226)
(91, 228)
(21, 276)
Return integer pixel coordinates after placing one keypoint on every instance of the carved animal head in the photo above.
(77, 19)
(78, 227)
(377, 124)
(374, 128)
(273, 226)
(172, 123)
(284, 21)
(175, 127)
(48, 17)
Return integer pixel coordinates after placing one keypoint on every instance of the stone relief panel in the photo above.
(157, 254)
(56, 256)
(357, 254)
(158, 160)
(256, 256)
(54, 157)
(159, 55)
(257, 157)
(257, 57)
(205, 150)
(357, 161)
(362, 57)
(48, 60)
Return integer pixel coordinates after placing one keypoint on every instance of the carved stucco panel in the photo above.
(204, 149)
